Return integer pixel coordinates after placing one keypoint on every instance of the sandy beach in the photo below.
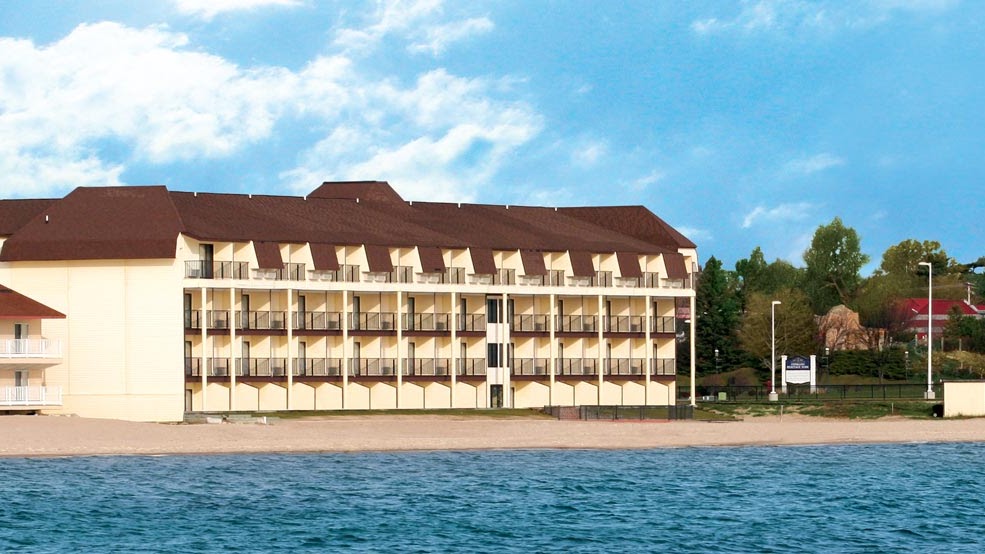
(30, 436)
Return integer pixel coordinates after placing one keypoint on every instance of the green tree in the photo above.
(796, 329)
(755, 275)
(904, 258)
(717, 325)
(833, 260)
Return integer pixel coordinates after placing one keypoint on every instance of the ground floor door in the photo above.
(495, 396)
(20, 385)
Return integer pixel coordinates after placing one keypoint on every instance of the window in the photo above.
(494, 308)
(492, 356)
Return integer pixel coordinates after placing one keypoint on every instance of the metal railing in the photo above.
(577, 366)
(261, 367)
(384, 321)
(888, 391)
(531, 366)
(624, 324)
(30, 396)
(663, 324)
(427, 366)
(625, 366)
(663, 366)
(202, 269)
(530, 322)
(218, 319)
(260, 320)
(318, 321)
(426, 322)
(317, 367)
(589, 412)
(577, 323)
(372, 366)
(472, 322)
(470, 366)
(30, 348)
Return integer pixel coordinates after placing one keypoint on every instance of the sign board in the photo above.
(798, 370)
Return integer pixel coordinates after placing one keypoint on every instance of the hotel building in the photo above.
(143, 303)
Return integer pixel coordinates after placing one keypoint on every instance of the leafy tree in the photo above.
(904, 258)
(833, 260)
(796, 329)
(718, 319)
(755, 275)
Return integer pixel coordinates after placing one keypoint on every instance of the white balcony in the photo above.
(30, 396)
(30, 348)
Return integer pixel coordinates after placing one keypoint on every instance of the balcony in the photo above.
(578, 366)
(425, 322)
(318, 321)
(625, 366)
(427, 366)
(202, 269)
(531, 366)
(260, 320)
(30, 348)
(261, 367)
(30, 396)
(472, 322)
(530, 323)
(317, 367)
(577, 323)
(470, 366)
(663, 324)
(624, 324)
(373, 367)
(663, 366)
(383, 321)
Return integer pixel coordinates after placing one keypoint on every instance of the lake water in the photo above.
(871, 498)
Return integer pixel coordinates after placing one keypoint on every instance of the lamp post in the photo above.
(716, 360)
(929, 395)
(773, 396)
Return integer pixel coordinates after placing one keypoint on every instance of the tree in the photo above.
(833, 260)
(904, 258)
(796, 330)
(717, 325)
(755, 275)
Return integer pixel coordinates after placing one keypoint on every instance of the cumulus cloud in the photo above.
(645, 181)
(208, 9)
(783, 212)
(438, 37)
(418, 21)
(588, 153)
(813, 164)
(696, 234)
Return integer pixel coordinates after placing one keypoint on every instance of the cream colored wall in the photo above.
(964, 398)
(122, 340)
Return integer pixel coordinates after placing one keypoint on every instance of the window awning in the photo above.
(581, 263)
(268, 255)
(676, 268)
(378, 258)
(323, 257)
(482, 261)
(533, 262)
(629, 265)
(431, 259)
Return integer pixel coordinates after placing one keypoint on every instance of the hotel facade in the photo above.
(143, 303)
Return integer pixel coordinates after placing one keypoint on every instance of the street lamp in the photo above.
(716, 360)
(929, 395)
(773, 396)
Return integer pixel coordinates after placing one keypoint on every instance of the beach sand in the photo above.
(73, 436)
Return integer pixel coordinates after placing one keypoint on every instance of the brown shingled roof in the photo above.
(14, 305)
(371, 191)
(14, 214)
(100, 223)
(634, 221)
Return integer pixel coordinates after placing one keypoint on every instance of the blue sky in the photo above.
(740, 123)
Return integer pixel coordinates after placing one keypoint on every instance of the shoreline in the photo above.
(60, 436)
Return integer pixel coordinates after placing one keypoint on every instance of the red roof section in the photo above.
(144, 222)
(14, 305)
(940, 307)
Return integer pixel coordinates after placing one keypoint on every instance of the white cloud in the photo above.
(826, 15)
(208, 9)
(813, 164)
(588, 153)
(696, 234)
(783, 212)
(649, 179)
(140, 87)
(421, 22)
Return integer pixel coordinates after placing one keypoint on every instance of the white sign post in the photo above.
(798, 370)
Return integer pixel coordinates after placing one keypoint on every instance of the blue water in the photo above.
(873, 498)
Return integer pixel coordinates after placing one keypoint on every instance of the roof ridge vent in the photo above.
(507, 206)
(357, 200)
(195, 194)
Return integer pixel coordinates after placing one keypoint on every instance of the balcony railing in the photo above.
(217, 367)
(201, 269)
(663, 324)
(218, 319)
(624, 366)
(427, 366)
(30, 396)
(577, 366)
(453, 276)
(385, 321)
(472, 322)
(318, 321)
(505, 277)
(261, 320)
(531, 366)
(602, 279)
(425, 322)
(30, 348)
(577, 323)
(663, 366)
(530, 322)
(261, 367)
(624, 324)
(317, 367)
(372, 367)
(470, 366)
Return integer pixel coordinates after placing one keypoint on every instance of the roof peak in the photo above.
(372, 191)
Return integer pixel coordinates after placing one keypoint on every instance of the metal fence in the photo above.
(913, 391)
(618, 413)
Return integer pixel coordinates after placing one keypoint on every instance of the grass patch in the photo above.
(842, 409)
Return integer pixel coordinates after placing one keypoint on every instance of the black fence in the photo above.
(912, 391)
(617, 413)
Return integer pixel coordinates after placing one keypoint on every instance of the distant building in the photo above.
(142, 303)
(914, 312)
(840, 330)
